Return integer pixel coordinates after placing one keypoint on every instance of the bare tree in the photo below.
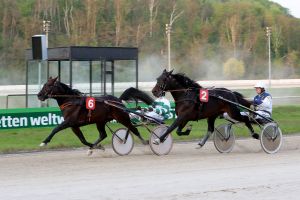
(174, 15)
(277, 39)
(153, 8)
(118, 20)
(91, 8)
(67, 15)
(9, 20)
(232, 32)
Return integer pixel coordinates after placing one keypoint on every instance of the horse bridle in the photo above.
(50, 90)
(162, 87)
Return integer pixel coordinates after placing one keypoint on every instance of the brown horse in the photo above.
(188, 107)
(72, 105)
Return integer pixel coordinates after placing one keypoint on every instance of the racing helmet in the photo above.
(260, 84)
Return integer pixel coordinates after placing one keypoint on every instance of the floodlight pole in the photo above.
(46, 29)
(268, 32)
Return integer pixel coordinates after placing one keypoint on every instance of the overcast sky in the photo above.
(292, 5)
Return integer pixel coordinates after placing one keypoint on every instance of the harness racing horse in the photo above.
(72, 105)
(189, 108)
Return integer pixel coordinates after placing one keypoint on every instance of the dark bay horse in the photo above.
(189, 108)
(72, 105)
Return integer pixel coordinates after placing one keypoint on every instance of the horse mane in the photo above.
(186, 81)
(70, 91)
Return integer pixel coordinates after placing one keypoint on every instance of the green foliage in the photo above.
(207, 31)
(233, 68)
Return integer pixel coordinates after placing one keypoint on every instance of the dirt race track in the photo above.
(187, 173)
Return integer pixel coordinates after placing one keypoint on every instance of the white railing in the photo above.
(147, 86)
(14, 95)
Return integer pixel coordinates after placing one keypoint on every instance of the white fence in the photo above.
(147, 86)
(16, 93)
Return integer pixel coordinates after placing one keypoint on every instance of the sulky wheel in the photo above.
(224, 138)
(120, 144)
(164, 147)
(271, 138)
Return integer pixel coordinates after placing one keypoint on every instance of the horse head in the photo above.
(168, 81)
(162, 84)
(49, 88)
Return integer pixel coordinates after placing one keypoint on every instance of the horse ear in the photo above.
(170, 72)
(52, 80)
(165, 71)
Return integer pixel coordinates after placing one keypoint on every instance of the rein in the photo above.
(63, 95)
(210, 88)
(191, 89)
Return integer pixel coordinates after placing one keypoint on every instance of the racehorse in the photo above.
(72, 105)
(189, 108)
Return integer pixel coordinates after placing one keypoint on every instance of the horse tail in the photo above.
(136, 94)
(241, 99)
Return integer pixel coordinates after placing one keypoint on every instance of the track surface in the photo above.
(187, 173)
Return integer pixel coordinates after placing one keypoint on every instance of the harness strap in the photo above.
(89, 115)
(65, 105)
(190, 99)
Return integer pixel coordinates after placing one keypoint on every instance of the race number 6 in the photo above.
(90, 103)
(203, 95)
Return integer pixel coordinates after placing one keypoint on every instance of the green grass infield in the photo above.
(28, 139)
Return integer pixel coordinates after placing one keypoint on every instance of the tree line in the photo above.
(207, 35)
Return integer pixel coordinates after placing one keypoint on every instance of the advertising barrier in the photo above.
(37, 117)
(30, 117)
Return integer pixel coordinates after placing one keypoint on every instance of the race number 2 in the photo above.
(90, 103)
(203, 96)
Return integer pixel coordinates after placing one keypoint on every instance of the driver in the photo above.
(262, 103)
(160, 109)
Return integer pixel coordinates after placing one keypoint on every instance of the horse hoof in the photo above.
(255, 136)
(89, 152)
(199, 146)
(156, 141)
(43, 144)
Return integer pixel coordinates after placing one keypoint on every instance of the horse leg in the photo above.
(125, 120)
(135, 131)
(210, 129)
(181, 126)
(235, 114)
(81, 137)
(249, 126)
(102, 136)
(175, 124)
(63, 125)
